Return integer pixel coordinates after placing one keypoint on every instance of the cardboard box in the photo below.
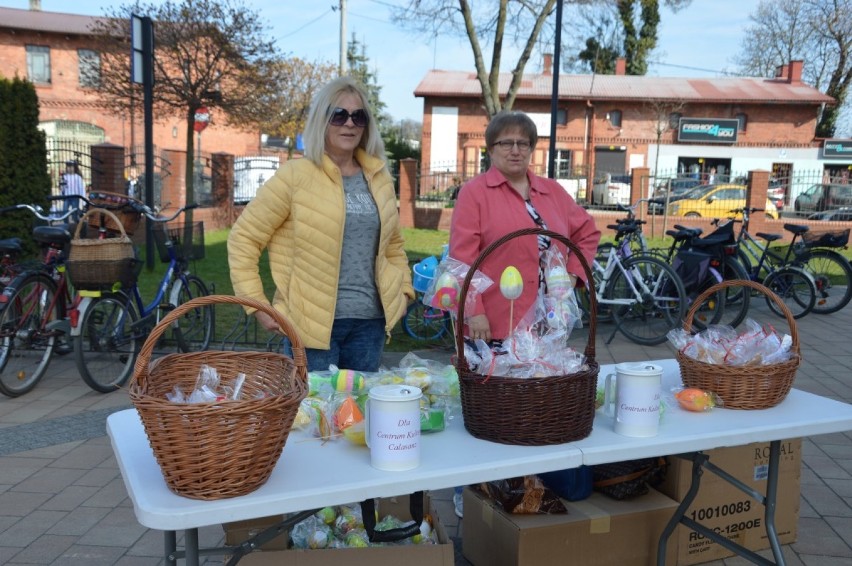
(721, 506)
(440, 554)
(597, 531)
(239, 531)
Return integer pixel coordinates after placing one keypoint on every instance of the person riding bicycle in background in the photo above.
(331, 225)
(506, 198)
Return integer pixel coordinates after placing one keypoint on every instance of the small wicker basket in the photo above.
(125, 208)
(528, 411)
(742, 387)
(95, 263)
(225, 448)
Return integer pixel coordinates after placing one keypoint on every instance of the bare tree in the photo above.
(208, 53)
(520, 21)
(297, 81)
(819, 32)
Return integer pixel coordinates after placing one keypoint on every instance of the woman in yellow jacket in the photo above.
(331, 226)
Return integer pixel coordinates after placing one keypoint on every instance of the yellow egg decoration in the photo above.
(511, 283)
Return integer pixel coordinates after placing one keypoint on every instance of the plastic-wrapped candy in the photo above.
(697, 400)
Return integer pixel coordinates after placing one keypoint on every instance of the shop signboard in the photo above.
(707, 130)
(837, 148)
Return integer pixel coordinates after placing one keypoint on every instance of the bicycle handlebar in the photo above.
(38, 211)
(154, 215)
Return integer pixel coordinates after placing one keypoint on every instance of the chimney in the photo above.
(795, 71)
(548, 63)
(621, 66)
(35, 5)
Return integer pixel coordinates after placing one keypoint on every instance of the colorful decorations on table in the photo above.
(335, 407)
(723, 345)
(562, 311)
(447, 293)
(444, 292)
(343, 527)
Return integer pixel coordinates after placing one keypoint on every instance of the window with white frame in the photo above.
(89, 66)
(38, 64)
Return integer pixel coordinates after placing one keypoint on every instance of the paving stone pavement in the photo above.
(62, 499)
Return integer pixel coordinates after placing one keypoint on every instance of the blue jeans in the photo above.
(355, 344)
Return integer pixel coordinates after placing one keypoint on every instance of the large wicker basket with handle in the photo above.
(224, 448)
(528, 411)
(742, 387)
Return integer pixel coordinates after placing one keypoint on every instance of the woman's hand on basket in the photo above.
(479, 327)
(269, 323)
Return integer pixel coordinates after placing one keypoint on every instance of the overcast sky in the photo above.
(697, 42)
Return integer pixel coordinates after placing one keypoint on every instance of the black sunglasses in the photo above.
(339, 116)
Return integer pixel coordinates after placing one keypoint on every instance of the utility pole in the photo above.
(342, 37)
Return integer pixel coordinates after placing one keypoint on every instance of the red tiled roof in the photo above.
(626, 87)
(52, 22)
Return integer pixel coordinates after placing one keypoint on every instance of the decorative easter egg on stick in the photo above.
(447, 292)
(511, 285)
(558, 282)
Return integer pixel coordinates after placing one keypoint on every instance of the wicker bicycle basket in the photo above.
(742, 387)
(125, 208)
(224, 448)
(528, 411)
(95, 263)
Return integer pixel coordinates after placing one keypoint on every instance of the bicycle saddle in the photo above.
(59, 234)
(10, 245)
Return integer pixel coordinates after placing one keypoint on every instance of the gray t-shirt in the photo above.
(357, 296)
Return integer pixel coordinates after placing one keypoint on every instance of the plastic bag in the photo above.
(444, 291)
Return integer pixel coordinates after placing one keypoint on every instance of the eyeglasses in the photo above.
(339, 116)
(507, 145)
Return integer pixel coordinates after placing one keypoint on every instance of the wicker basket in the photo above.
(126, 215)
(742, 387)
(826, 239)
(95, 263)
(226, 448)
(528, 411)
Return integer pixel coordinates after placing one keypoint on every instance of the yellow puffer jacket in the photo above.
(298, 214)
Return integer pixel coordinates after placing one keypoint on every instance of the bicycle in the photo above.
(108, 328)
(702, 262)
(646, 298)
(34, 304)
(423, 322)
(822, 267)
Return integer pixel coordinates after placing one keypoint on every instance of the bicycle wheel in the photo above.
(734, 301)
(25, 344)
(425, 323)
(795, 287)
(107, 346)
(194, 330)
(649, 300)
(832, 277)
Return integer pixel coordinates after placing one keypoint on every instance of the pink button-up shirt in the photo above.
(488, 208)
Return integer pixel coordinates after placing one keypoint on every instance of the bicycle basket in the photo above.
(98, 264)
(828, 239)
(126, 216)
(186, 240)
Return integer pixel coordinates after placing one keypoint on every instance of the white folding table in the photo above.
(312, 474)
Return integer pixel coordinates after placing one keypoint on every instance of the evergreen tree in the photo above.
(23, 158)
(358, 65)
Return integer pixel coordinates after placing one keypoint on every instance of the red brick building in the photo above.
(54, 51)
(618, 123)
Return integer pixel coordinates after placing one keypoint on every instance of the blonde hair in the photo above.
(322, 106)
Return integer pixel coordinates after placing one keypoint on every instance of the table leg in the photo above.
(170, 540)
(190, 545)
(771, 500)
(698, 460)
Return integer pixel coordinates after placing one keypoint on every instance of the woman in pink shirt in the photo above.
(506, 198)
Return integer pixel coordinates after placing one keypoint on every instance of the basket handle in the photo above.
(696, 304)
(93, 211)
(299, 356)
(593, 302)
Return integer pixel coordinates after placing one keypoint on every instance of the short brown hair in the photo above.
(510, 120)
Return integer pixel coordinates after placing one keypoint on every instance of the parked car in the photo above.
(843, 214)
(611, 190)
(715, 201)
(822, 196)
(676, 189)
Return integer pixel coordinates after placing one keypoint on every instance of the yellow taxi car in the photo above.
(715, 201)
